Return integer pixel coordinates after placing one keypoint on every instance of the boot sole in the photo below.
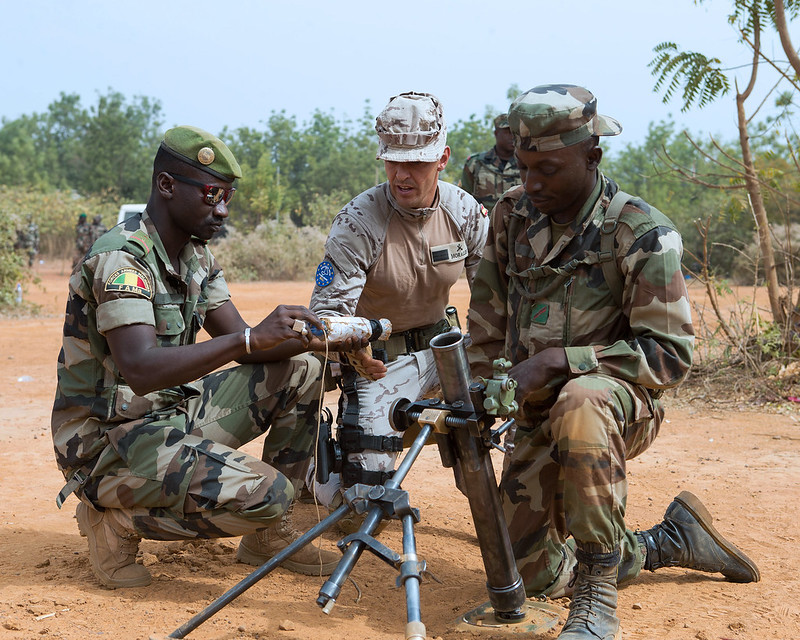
(693, 505)
(256, 560)
(84, 527)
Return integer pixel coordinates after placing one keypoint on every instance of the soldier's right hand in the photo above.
(279, 326)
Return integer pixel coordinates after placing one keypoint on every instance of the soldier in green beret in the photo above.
(145, 427)
(489, 174)
(580, 286)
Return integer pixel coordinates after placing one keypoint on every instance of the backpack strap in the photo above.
(607, 255)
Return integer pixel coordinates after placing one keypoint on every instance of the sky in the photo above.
(216, 64)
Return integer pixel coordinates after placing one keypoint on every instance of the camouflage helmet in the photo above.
(554, 116)
(411, 128)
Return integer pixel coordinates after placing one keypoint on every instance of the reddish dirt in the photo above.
(744, 464)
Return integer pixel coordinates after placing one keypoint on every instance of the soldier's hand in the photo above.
(279, 326)
(366, 366)
(534, 374)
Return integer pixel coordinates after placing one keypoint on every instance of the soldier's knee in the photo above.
(585, 410)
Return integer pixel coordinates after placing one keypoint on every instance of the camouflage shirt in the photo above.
(413, 291)
(83, 237)
(126, 279)
(487, 177)
(529, 295)
(97, 229)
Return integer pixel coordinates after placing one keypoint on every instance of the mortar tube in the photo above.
(503, 582)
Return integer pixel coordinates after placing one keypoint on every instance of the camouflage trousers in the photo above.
(567, 477)
(178, 473)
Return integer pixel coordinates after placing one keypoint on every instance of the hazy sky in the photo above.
(213, 64)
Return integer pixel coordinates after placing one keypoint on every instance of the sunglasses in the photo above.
(212, 195)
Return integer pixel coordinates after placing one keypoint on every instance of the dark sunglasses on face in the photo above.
(212, 195)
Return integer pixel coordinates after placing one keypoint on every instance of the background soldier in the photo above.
(98, 228)
(83, 239)
(489, 174)
(394, 252)
(28, 240)
(145, 434)
(593, 341)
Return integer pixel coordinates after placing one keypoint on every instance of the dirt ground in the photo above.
(742, 461)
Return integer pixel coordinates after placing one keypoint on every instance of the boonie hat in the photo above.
(554, 116)
(411, 128)
(501, 121)
(203, 151)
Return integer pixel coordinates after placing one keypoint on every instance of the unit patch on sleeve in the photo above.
(453, 252)
(324, 274)
(130, 281)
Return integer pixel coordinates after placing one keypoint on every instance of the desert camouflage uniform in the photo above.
(169, 458)
(566, 474)
(487, 177)
(410, 300)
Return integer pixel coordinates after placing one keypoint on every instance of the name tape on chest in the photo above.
(453, 252)
(130, 281)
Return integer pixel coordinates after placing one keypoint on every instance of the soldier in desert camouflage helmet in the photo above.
(394, 252)
(145, 429)
(489, 174)
(584, 293)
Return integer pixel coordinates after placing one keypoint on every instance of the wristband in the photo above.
(247, 340)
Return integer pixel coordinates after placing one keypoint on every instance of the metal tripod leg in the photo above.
(258, 574)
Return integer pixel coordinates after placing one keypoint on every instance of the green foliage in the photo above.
(701, 77)
(276, 250)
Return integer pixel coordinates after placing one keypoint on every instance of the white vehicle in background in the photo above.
(128, 210)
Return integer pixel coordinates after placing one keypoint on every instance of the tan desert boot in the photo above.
(256, 548)
(113, 545)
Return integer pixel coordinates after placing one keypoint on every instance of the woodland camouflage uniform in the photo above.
(486, 175)
(529, 295)
(169, 458)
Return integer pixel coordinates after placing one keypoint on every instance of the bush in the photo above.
(276, 250)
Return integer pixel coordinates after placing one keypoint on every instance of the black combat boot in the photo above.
(686, 538)
(593, 610)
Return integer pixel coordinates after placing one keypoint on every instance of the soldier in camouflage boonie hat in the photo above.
(554, 116)
(203, 151)
(411, 128)
(501, 121)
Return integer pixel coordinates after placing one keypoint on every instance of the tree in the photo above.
(702, 80)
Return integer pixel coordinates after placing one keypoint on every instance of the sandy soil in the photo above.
(744, 463)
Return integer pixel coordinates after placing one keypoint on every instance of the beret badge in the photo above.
(205, 156)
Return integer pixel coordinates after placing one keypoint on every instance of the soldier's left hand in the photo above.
(534, 374)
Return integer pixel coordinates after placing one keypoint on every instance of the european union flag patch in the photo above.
(324, 274)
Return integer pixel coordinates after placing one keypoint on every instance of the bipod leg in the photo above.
(333, 585)
(237, 590)
(410, 576)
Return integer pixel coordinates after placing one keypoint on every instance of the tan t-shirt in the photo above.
(410, 282)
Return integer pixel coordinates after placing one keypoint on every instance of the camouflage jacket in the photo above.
(83, 237)
(528, 296)
(97, 231)
(126, 279)
(356, 241)
(487, 177)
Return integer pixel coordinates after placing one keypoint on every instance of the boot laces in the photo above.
(580, 610)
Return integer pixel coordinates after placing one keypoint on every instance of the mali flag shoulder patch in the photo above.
(130, 281)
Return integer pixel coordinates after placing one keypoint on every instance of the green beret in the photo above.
(203, 151)
(554, 116)
(501, 121)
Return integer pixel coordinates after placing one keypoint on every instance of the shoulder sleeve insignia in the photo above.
(142, 239)
(324, 274)
(130, 281)
(484, 211)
